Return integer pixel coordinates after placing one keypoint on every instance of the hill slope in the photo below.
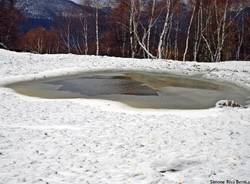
(47, 9)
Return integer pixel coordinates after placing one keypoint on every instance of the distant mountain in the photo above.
(51, 13)
(47, 9)
(104, 3)
(43, 12)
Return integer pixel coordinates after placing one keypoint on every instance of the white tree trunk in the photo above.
(97, 27)
(240, 38)
(188, 34)
(131, 29)
(176, 50)
(221, 33)
(135, 31)
(84, 24)
(150, 26)
(164, 30)
(199, 28)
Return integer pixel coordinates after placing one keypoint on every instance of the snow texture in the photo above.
(82, 141)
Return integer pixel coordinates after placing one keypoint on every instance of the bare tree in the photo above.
(131, 27)
(84, 30)
(66, 32)
(97, 6)
(137, 9)
(165, 29)
(176, 49)
(240, 35)
(214, 41)
(188, 32)
(198, 30)
(216, 28)
(84, 24)
(150, 25)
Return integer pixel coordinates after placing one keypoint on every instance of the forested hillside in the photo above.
(199, 30)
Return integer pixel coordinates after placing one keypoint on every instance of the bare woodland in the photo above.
(201, 30)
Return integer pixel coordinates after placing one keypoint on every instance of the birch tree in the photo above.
(136, 22)
(150, 25)
(97, 6)
(131, 27)
(198, 30)
(240, 36)
(214, 39)
(84, 25)
(165, 29)
(188, 32)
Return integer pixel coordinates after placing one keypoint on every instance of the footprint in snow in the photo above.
(173, 166)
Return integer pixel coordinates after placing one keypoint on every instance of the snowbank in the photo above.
(92, 141)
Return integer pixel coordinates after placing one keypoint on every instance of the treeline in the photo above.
(202, 30)
(10, 19)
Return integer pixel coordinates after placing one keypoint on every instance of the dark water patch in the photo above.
(137, 89)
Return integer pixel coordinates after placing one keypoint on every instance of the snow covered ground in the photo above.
(90, 141)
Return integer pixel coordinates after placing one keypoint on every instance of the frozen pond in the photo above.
(137, 89)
